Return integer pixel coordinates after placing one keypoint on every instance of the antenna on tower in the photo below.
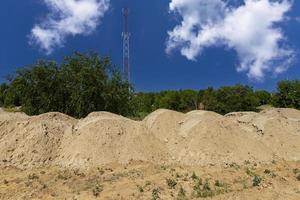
(126, 44)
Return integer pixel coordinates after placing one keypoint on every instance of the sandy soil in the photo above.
(145, 181)
(242, 155)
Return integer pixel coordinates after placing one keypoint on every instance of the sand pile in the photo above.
(195, 138)
(32, 141)
(104, 138)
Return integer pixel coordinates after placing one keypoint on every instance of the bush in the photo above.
(155, 194)
(171, 183)
(97, 189)
(256, 181)
(182, 194)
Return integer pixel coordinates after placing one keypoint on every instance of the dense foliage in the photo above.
(84, 83)
(288, 95)
(222, 100)
(80, 85)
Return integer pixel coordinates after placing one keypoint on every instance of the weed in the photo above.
(247, 162)
(98, 188)
(267, 171)
(206, 186)
(101, 171)
(218, 183)
(63, 176)
(155, 194)
(171, 183)
(194, 176)
(33, 176)
(182, 194)
(203, 191)
(256, 180)
(250, 173)
(298, 177)
(140, 188)
(147, 183)
(296, 171)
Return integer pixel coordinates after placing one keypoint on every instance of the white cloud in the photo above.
(67, 18)
(251, 29)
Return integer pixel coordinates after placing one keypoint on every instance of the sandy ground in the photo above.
(243, 155)
(140, 180)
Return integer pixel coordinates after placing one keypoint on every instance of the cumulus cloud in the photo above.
(251, 29)
(67, 18)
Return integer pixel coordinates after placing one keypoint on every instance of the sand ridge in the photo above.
(164, 136)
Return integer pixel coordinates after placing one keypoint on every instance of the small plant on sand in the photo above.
(98, 188)
(218, 183)
(171, 183)
(257, 180)
(194, 176)
(181, 194)
(140, 188)
(203, 191)
(155, 194)
(298, 177)
(296, 171)
(33, 176)
(249, 172)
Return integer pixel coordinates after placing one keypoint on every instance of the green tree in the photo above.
(288, 95)
(3, 88)
(230, 99)
(263, 97)
(83, 83)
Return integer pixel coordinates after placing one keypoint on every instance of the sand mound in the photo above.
(32, 141)
(104, 138)
(195, 138)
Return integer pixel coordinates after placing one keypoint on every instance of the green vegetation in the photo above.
(288, 95)
(223, 100)
(140, 188)
(182, 194)
(171, 183)
(80, 85)
(84, 83)
(33, 176)
(203, 191)
(98, 188)
(256, 181)
(297, 173)
(155, 194)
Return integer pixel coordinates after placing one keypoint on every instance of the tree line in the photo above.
(84, 83)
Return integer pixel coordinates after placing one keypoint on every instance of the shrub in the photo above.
(171, 183)
(155, 194)
(256, 180)
(182, 194)
(97, 189)
(140, 188)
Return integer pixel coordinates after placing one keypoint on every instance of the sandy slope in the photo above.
(107, 156)
(195, 138)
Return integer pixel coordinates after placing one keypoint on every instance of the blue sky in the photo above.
(152, 68)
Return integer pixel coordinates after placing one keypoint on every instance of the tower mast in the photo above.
(126, 44)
